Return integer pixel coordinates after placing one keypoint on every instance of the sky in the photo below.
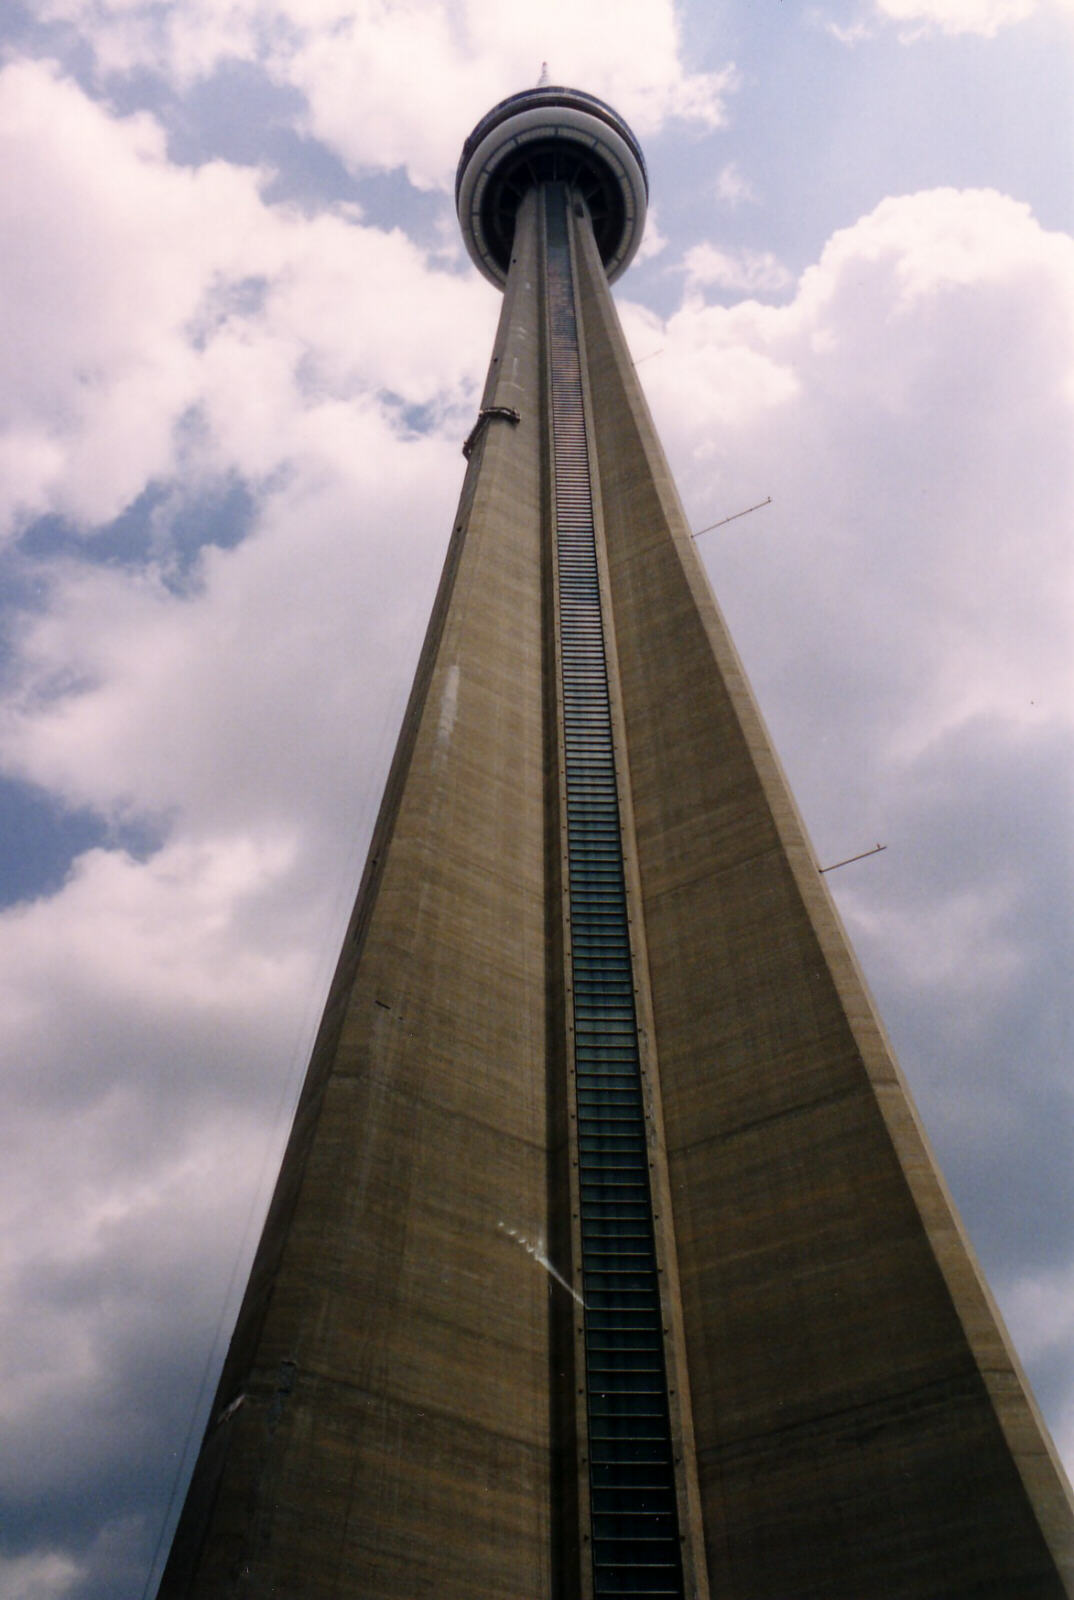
(244, 345)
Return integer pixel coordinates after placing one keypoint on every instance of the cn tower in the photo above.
(607, 1256)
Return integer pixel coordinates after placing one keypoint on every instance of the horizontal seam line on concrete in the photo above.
(859, 1409)
(448, 1111)
(422, 1409)
(742, 1128)
(775, 849)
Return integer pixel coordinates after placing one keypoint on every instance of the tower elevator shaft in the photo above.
(631, 1478)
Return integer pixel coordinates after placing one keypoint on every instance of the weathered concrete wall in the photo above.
(393, 1351)
(861, 1424)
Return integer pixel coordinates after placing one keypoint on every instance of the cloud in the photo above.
(38, 1577)
(732, 188)
(914, 402)
(983, 17)
(653, 241)
(753, 271)
(1040, 1314)
(148, 302)
(925, 18)
(110, 268)
(396, 86)
(443, 61)
(853, 33)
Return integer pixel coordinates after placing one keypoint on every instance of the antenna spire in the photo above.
(543, 79)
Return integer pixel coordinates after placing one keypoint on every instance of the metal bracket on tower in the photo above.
(485, 416)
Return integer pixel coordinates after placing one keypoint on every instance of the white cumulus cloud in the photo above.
(940, 330)
(396, 86)
(145, 295)
(752, 271)
(984, 17)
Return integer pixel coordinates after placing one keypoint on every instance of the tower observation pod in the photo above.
(607, 1256)
(546, 136)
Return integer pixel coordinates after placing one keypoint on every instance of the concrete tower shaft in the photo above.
(607, 1255)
